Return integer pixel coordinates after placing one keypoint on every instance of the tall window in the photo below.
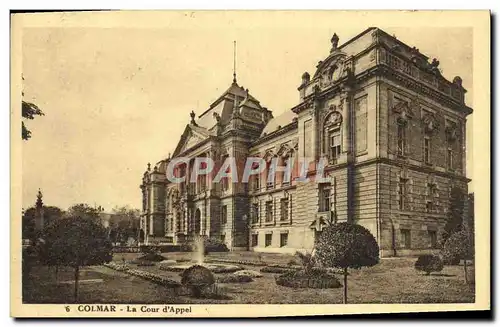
(401, 139)
(270, 181)
(284, 209)
(431, 193)
(433, 239)
(449, 158)
(223, 215)
(334, 145)
(402, 193)
(427, 150)
(269, 211)
(325, 194)
(406, 238)
(283, 239)
(255, 213)
(269, 239)
(255, 239)
(256, 183)
(225, 180)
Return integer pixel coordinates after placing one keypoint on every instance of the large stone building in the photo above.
(389, 126)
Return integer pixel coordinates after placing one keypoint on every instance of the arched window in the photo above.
(333, 136)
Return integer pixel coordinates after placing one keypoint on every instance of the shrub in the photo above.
(197, 277)
(429, 263)
(215, 245)
(307, 260)
(347, 245)
(231, 278)
(312, 279)
(459, 246)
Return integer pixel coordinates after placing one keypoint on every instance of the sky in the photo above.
(116, 98)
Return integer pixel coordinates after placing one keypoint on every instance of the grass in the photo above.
(391, 281)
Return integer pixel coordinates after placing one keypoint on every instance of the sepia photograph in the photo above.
(172, 160)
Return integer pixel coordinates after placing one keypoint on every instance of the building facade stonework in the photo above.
(380, 124)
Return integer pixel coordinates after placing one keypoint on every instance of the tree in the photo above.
(50, 214)
(124, 224)
(459, 246)
(76, 242)
(470, 218)
(346, 245)
(455, 215)
(29, 111)
(84, 210)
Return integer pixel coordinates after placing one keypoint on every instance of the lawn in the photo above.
(391, 281)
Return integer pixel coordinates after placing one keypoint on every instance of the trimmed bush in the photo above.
(197, 278)
(429, 263)
(234, 279)
(346, 245)
(312, 279)
(215, 245)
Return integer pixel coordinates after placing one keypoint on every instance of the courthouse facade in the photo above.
(388, 126)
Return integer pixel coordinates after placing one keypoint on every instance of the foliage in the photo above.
(232, 278)
(429, 263)
(50, 214)
(150, 257)
(215, 245)
(124, 224)
(454, 216)
(84, 210)
(29, 111)
(157, 279)
(346, 245)
(315, 278)
(76, 242)
(307, 260)
(459, 246)
(197, 277)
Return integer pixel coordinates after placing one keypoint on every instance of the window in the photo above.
(269, 211)
(255, 239)
(427, 150)
(255, 213)
(334, 145)
(287, 176)
(283, 239)
(317, 235)
(325, 198)
(269, 239)
(256, 183)
(433, 239)
(401, 139)
(431, 193)
(202, 180)
(406, 238)
(223, 215)
(284, 209)
(449, 158)
(402, 194)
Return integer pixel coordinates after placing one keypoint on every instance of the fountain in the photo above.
(198, 258)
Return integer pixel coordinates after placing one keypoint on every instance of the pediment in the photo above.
(190, 138)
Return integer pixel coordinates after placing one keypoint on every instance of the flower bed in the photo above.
(238, 262)
(313, 279)
(234, 279)
(276, 270)
(157, 279)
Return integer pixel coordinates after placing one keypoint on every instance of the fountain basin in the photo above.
(213, 267)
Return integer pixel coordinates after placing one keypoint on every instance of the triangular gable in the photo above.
(192, 136)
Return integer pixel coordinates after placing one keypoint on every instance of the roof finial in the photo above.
(234, 62)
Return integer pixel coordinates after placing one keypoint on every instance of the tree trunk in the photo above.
(77, 273)
(345, 285)
(57, 272)
(465, 271)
